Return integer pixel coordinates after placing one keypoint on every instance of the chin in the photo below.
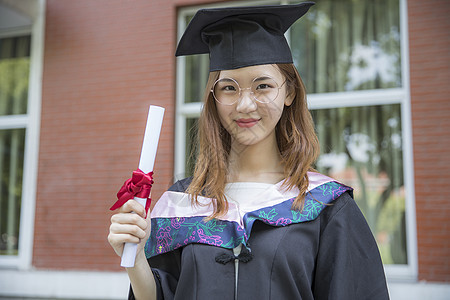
(248, 138)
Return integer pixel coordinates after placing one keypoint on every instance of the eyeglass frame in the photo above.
(249, 88)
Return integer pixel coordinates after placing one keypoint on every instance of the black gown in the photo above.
(325, 252)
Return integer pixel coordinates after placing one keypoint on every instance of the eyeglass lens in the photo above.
(263, 89)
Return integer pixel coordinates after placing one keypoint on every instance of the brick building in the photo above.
(92, 68)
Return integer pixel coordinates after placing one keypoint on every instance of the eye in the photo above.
(263, 86)
(228, 88)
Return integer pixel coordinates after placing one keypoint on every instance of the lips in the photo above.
(247, 123)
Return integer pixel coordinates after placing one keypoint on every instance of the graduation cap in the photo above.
(237, 37)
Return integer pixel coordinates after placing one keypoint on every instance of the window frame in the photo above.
(31, 123)
(401, 95)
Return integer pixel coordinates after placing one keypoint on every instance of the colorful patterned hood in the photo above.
(176, 223)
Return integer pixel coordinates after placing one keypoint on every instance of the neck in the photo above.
(256, 163)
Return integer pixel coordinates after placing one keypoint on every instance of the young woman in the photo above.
(255, 221)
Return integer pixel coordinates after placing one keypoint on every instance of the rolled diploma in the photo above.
(146, 162)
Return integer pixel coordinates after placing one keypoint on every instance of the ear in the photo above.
(290, 96)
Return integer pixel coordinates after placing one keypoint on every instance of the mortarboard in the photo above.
(237, 37)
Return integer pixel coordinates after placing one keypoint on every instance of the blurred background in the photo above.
(76, 80)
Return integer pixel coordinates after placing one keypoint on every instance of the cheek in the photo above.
(225, 116)
(274, 110)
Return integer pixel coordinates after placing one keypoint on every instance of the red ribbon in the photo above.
(139, 185)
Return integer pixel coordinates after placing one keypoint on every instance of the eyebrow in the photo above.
(227, 79)
(262, 78)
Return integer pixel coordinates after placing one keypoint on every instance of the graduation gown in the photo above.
(326, 251)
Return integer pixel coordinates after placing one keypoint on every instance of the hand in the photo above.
(129, 225)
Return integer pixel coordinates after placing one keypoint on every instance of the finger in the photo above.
(129, 218)
(133, 230)
(118, 239)
(133, 206)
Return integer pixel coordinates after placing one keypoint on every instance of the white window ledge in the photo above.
(64, 284)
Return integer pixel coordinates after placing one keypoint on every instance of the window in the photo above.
(21, 49)
(352, 56)
(362, 147)
(14, 74)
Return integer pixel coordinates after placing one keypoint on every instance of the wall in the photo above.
(104, 64)
(429, 48)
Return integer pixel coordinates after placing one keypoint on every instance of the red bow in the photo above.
(139, 185)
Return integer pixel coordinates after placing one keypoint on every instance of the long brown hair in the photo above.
(296, 139)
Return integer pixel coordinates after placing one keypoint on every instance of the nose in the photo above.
(246, 103)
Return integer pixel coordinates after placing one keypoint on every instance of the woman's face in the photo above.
(249, 121)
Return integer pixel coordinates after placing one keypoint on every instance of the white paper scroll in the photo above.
(146, 162)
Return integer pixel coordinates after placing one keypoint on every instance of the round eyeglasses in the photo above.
(263, 89)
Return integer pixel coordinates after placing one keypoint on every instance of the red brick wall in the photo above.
(429, 47)
(104, 64)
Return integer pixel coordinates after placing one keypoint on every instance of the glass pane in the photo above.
(348, 45)
(362, 147)
(191, 151)
(14, 71)
(196, 74)
(11, 169)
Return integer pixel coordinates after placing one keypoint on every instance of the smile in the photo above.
(247, 123)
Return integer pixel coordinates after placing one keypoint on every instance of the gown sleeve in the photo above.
(166, 271)
(348, 262)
